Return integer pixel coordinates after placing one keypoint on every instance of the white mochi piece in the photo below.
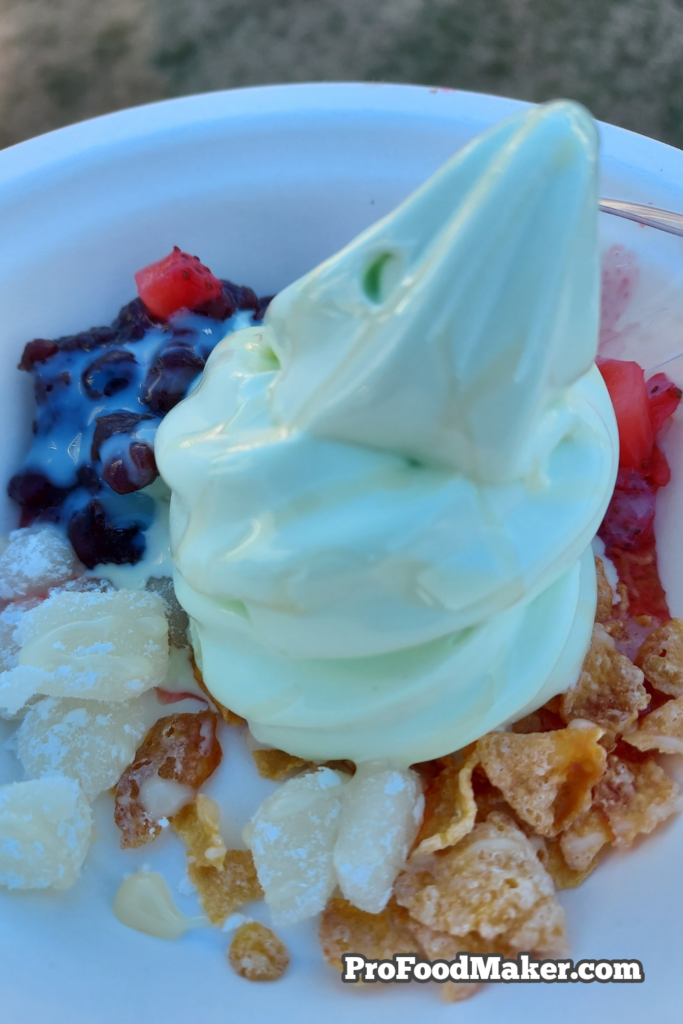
(45, 830)
(18, 689)
(102, 645)
(10, 617)
(382, 811)
(88, 740)
(35, 559)
(292, 838)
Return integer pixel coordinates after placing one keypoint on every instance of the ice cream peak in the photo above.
(448, 331)
(382, 496)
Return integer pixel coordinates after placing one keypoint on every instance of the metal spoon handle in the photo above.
(665, 220)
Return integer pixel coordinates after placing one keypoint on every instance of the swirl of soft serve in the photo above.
(383, 497)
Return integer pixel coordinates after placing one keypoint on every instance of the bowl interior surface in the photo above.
(262, 184)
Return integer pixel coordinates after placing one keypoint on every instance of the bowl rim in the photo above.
(151, 122)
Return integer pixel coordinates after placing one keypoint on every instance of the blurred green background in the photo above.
(64, 60)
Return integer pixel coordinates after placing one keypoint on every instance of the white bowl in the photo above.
(262, 184)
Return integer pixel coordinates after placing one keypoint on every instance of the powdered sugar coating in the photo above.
(99, 645)
(382, 811)
(45, 829)
(88, 740)
(292, 838)
(35, 559)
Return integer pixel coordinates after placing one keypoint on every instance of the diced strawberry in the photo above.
(656, 469)
(642, 412)
(664, 397)
(179, 281)
(626, 385)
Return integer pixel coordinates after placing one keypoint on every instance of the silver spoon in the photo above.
(665, 220)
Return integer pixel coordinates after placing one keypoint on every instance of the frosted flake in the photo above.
(547, 778)
(257, 954)
(661, 658)
(605, 609)
(277, 764)
(108, 646)
(584, 839)
(45, 828)
(450, 808)
(661, 730)
(493, 884)
(177, 756)
(382, 811)
(610, 690)
(345, 929)
(292, 838)
(35, 559)
(88, 740)
(635, 797)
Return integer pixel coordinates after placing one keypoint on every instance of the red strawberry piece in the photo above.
(626, 385)
(179, 281)
(656, 469)
(664, 397)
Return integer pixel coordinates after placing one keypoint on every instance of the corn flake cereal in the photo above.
(491, 884)
(222, 890)
(346, 929)
(610, 690)
(546, 778)
(635, 798)
(441, 946)
(552, 859)
(225, 879)
(544, 719)
(276, 764)
(661, 658)
(257, 954)
(198, 825)
(605, 608)
(583, 840)
(661, 730)
(182, 748)
(450, 808)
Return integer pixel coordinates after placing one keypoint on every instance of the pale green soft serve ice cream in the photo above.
(384, 496)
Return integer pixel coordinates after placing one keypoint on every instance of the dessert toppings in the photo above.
(100, 396)
(45, 830)
(643, 410)
(225, 879)
(178, 754)
(178, 281)
(257, 954)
